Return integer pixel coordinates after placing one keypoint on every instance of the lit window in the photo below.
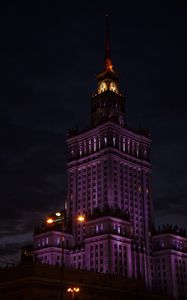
(145, 152)
(124, 144)
(95, 145)
(80, 150)
(99, 143)
(90, 146)
(128, 145)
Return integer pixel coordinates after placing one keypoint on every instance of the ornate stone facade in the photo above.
(109, 182)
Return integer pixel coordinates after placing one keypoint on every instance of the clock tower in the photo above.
(110, 184)
(107, 102)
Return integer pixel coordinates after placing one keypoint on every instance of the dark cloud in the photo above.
(10, 253)
(174, 204)
(9, 249)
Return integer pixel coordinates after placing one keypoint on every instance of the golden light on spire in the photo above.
(109, 66)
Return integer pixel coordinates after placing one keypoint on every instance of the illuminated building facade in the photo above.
(109, 181)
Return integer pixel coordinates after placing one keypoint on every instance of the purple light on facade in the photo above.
(109, 182)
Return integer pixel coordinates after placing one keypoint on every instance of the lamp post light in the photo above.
(81, 218)
(59, 218)
(73, 291)
(50, 221)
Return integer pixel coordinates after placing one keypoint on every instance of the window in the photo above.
(80, 150)
(124, 144)
(95, 145)
(145, 152)
(90, 146)
(137, 150)
(101, 228)
(99, 143)
(128, 145)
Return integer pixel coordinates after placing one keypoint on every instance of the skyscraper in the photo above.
(109, 182)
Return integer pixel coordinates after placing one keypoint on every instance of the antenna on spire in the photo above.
(108, 60)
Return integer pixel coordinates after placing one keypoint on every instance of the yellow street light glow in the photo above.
(50, 221)
(81, 218)
(58, 214)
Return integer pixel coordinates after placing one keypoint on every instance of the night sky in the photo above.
(49, 56)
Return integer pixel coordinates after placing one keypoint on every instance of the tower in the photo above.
(109, 180)
(108, 101)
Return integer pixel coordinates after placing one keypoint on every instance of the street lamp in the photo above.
(73, 291)
(80, 218)
(59, 218)
(50, 221)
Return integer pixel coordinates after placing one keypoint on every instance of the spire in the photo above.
(108, 60)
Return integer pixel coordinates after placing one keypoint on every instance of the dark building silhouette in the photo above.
(27, 254)
(43, 282)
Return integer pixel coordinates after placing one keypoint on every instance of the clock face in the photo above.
(102, 87)
(113, 87)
